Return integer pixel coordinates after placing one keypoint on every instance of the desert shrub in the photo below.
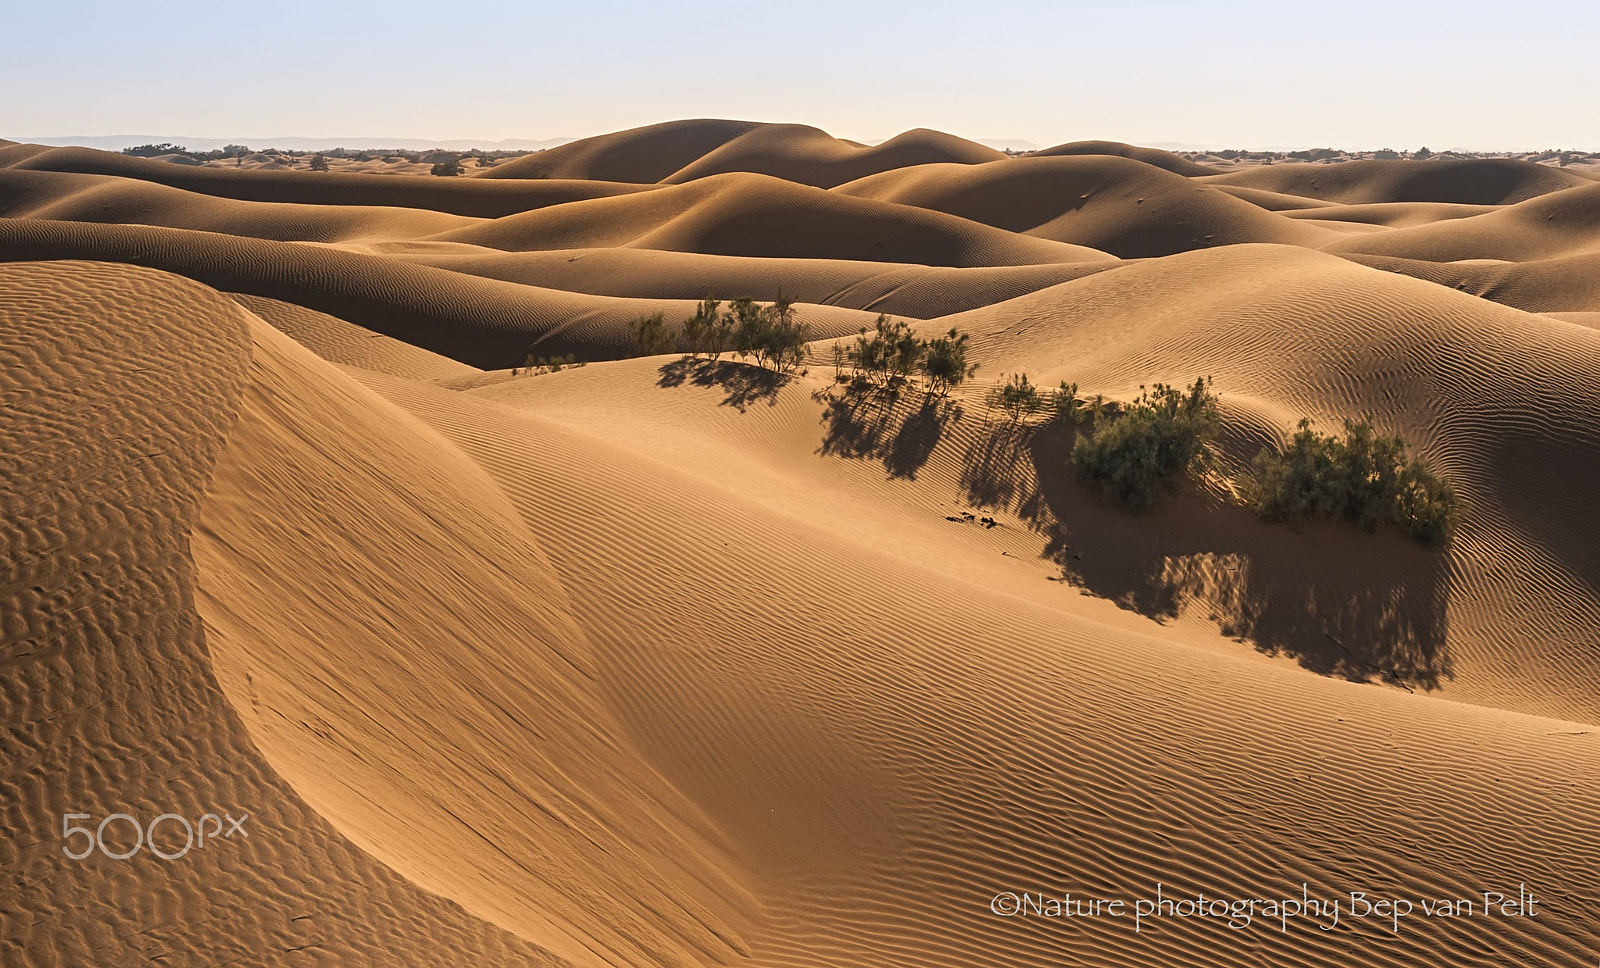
(652, 336)
(771, 333)
(319, 163)
(447, 168)
(535, 365)
(1018, 397)
(1065, 406)
(944, 362)
(1157, 441)
(701, 329)
(1360, 476)
(887, 353)
(1422, 154)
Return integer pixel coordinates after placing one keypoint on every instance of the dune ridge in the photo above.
(1125, 207)
(478, 321)
(681, 151)
(758, 215)
(1177, 164)
(121, 386)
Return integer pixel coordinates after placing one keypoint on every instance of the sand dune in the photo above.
(505, 786)
(1273, 201)
(811, 157)
(1394, 215)
(922, 292)
(1483, 181)
(1296, 333)
(757, 215)
(338, 341)
(1127, 208)
(1568, 284)
(98, 198)
(939, 779)
(483, 322)
(1176, 164)
(1554, 225)
(122, 386)
(470, 197)
(656, 662)
(681, 151)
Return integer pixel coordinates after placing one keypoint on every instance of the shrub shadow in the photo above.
(899, 428)
(1339, 601)
(744, 383)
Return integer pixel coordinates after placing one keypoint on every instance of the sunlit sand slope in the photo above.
(957, 726)
(1125, 207)
(758, 215)
(680, 151)
(479, 321)
(403, 655)
(121, 386)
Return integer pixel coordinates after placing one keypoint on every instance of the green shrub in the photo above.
(1362, 477)
(770, 333)
(944, 362)
(1018, 397)
(652, 336)
(1066, 407)
(701, 331)
(888, 353)
(1158, 440)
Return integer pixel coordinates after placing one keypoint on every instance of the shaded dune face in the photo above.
(656, 662)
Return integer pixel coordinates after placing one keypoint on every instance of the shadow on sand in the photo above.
(745, 383)
(897, 426)
(1339, 601)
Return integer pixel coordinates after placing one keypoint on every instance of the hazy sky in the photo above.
(1343, 73)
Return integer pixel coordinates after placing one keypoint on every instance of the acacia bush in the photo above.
(1361, 476)
(1154, 443)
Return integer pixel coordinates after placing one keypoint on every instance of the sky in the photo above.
(1242, 73)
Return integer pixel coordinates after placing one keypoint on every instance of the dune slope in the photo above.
(435, 672)
(121, 386)
(757, 215)
(1124, 207)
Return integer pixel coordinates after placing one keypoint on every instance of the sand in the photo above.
(647, 664)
